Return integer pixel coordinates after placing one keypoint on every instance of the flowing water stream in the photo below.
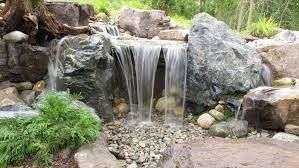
(139, 61)
(175, 83)
(105, 28)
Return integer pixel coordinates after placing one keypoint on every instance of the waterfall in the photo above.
(266, 75)
(105, 28)
(138, 61)
(123, 55)
(55, 67)
(175, 84)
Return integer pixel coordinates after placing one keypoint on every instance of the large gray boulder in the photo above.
(219, 62)
(87, 69)
(146, 24)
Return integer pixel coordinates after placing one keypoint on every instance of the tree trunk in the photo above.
(33, 18)
(251, 10)
(283, 12)
(241, 13)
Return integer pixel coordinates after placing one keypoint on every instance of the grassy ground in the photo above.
(114, 8)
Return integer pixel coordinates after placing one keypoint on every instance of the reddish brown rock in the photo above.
(174, 34)
(144, 23)
(283, 60)
(220, 153)
(71, 13)
(272, 108)
(96, 155)
(22, 62)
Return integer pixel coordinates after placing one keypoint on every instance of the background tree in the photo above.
(250, 14)
(241, 14)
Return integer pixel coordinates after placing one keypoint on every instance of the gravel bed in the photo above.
(143, 146)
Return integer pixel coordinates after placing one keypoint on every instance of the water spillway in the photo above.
(105, 28)
(138, 61)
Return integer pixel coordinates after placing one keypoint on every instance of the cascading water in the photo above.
(55, 67)
(139, 61)
(266, 75)
(123, 54)
(139, 64)
(105, 28)
(146, 61)
(175, 84)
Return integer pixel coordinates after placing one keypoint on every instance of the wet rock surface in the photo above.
(272, 108)
(16, 110)
(219, 153)
(219, 62)
(87, 68)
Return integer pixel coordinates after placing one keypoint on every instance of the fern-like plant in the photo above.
(59, 125)
(264, 28)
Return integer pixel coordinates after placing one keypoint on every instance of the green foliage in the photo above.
(105, 10)
(184, 8)
(35, 3)
(228, 114)
(293, 82)
(97, 4)
(294, 22)
(264, 28)
(182, 21)
(59, 125)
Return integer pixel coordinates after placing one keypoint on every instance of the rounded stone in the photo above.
(178, 111)
(123, 108)
(221, 102)
(217, 115)
(206, 120)
(39, 86)
(15, 37)
(24, 86)
(292, 129)
(162, 103)
(220, 108)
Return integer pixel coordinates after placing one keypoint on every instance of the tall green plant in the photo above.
(60, 124)
(264, 28)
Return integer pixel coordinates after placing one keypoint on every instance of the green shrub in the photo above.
(182, 21)
(59, 125)
(228, 114)
(105, 10)
(185, 8)
(264, 28)
(35, 3)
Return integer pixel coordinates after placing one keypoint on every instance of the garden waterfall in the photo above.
(139, 62)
